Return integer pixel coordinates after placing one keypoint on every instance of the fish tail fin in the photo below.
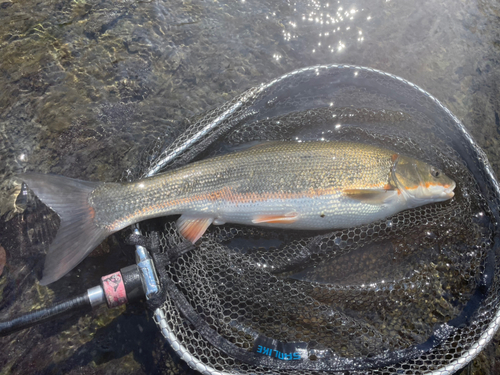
(77, 235)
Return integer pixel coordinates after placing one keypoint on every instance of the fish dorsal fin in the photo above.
(192, 227)
(264, 144)
(371, 196)
(287, 218)
(251, 145)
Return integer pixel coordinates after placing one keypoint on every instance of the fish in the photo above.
(294, 185)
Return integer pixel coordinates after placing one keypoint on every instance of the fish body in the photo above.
(309, 185)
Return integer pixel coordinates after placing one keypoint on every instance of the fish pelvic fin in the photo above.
(288, 218)
(192, 227)
(371, 196)
(77, 235)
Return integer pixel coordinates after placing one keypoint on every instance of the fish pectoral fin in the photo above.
(192, 227)
(371, 196)
(287, 218)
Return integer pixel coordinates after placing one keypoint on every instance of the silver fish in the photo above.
(309, 185)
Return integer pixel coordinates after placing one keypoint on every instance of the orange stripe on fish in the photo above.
(229, 195)
(427, 185)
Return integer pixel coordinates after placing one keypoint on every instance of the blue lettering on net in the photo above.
(279, 354)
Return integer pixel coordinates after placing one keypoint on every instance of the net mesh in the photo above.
(413, 293)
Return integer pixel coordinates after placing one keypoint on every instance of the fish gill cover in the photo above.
(416, 292)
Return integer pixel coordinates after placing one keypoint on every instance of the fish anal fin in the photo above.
(192, 227)
(370, 196)
(288, 218)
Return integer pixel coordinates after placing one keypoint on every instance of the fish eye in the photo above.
(435, 172)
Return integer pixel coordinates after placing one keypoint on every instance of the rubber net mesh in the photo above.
(413, 293)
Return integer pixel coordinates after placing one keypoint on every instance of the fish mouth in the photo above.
(448, 191)
(441, 192)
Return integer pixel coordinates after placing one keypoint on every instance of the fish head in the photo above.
(421, 183)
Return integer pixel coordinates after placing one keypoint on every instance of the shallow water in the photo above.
(86, 85)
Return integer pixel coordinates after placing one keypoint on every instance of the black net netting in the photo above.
(413, 293)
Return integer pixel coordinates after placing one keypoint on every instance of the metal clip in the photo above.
(146, 269)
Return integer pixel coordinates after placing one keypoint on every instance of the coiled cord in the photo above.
(45, 314)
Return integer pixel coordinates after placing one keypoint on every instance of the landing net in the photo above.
(414, 293)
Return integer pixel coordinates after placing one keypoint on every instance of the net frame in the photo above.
(258, 102)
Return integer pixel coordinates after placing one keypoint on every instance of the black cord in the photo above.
(44, 315)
